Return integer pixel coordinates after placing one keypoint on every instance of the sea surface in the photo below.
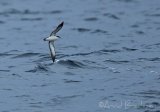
(108, 59)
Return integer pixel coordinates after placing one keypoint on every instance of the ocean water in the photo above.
(108, 58)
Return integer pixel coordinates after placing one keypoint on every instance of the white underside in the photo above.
(52, 38)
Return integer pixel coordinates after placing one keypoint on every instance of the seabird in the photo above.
(51, 40)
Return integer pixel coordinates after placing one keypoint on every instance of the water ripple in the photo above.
(111, 16)
(129, 49)
(109, 51)
(99, 31)
(32, 19)
(5, 54)
(2, 22)
(150, 59)
(71, 63)
(91, 19)
(81, 29)
(117, 62)
(103, 51)
(39, 67)
(150, 94)
(23, 55)
(60, 100)
(4, 70)
(71, 81)
(29, 12)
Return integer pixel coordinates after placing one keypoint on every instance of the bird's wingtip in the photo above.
(62, 22)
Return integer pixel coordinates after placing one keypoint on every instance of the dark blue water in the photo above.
(107, 60)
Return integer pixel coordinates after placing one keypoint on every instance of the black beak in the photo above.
(59, 37)
(44, 39)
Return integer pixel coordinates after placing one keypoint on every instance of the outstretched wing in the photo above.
(57, 29)
(52, 50)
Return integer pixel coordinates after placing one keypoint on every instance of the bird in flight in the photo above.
(52, 38)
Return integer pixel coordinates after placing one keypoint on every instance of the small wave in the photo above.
(111, 16)
(10, 11)
(9, 53)
(31, 19)
(39, 67)
(23, 55)
(99, 52)
(93, 65)
(99, 31)
(82, 29)
(69, 73)
(42, 59)
(5, 54)
(149, 94)
(81, 54)
(91, 19)
(129, 49)
(71, 46)
(140, 32)
(12, 51)
(60, 100)
(75, 64)
(1, 38)
(78, 54)
(150, 59)
(109, 51)
(152, 46)
(4, 70)
(156, 103)
(117, 61)
(41, 12)
(103, 51)
(17, 28)
(71, 81)
(2, 22)
(55, 12)
(157, 44)
(153, 15)
(71, 63)
(135, 25)
(29, 12)
(15, 74)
